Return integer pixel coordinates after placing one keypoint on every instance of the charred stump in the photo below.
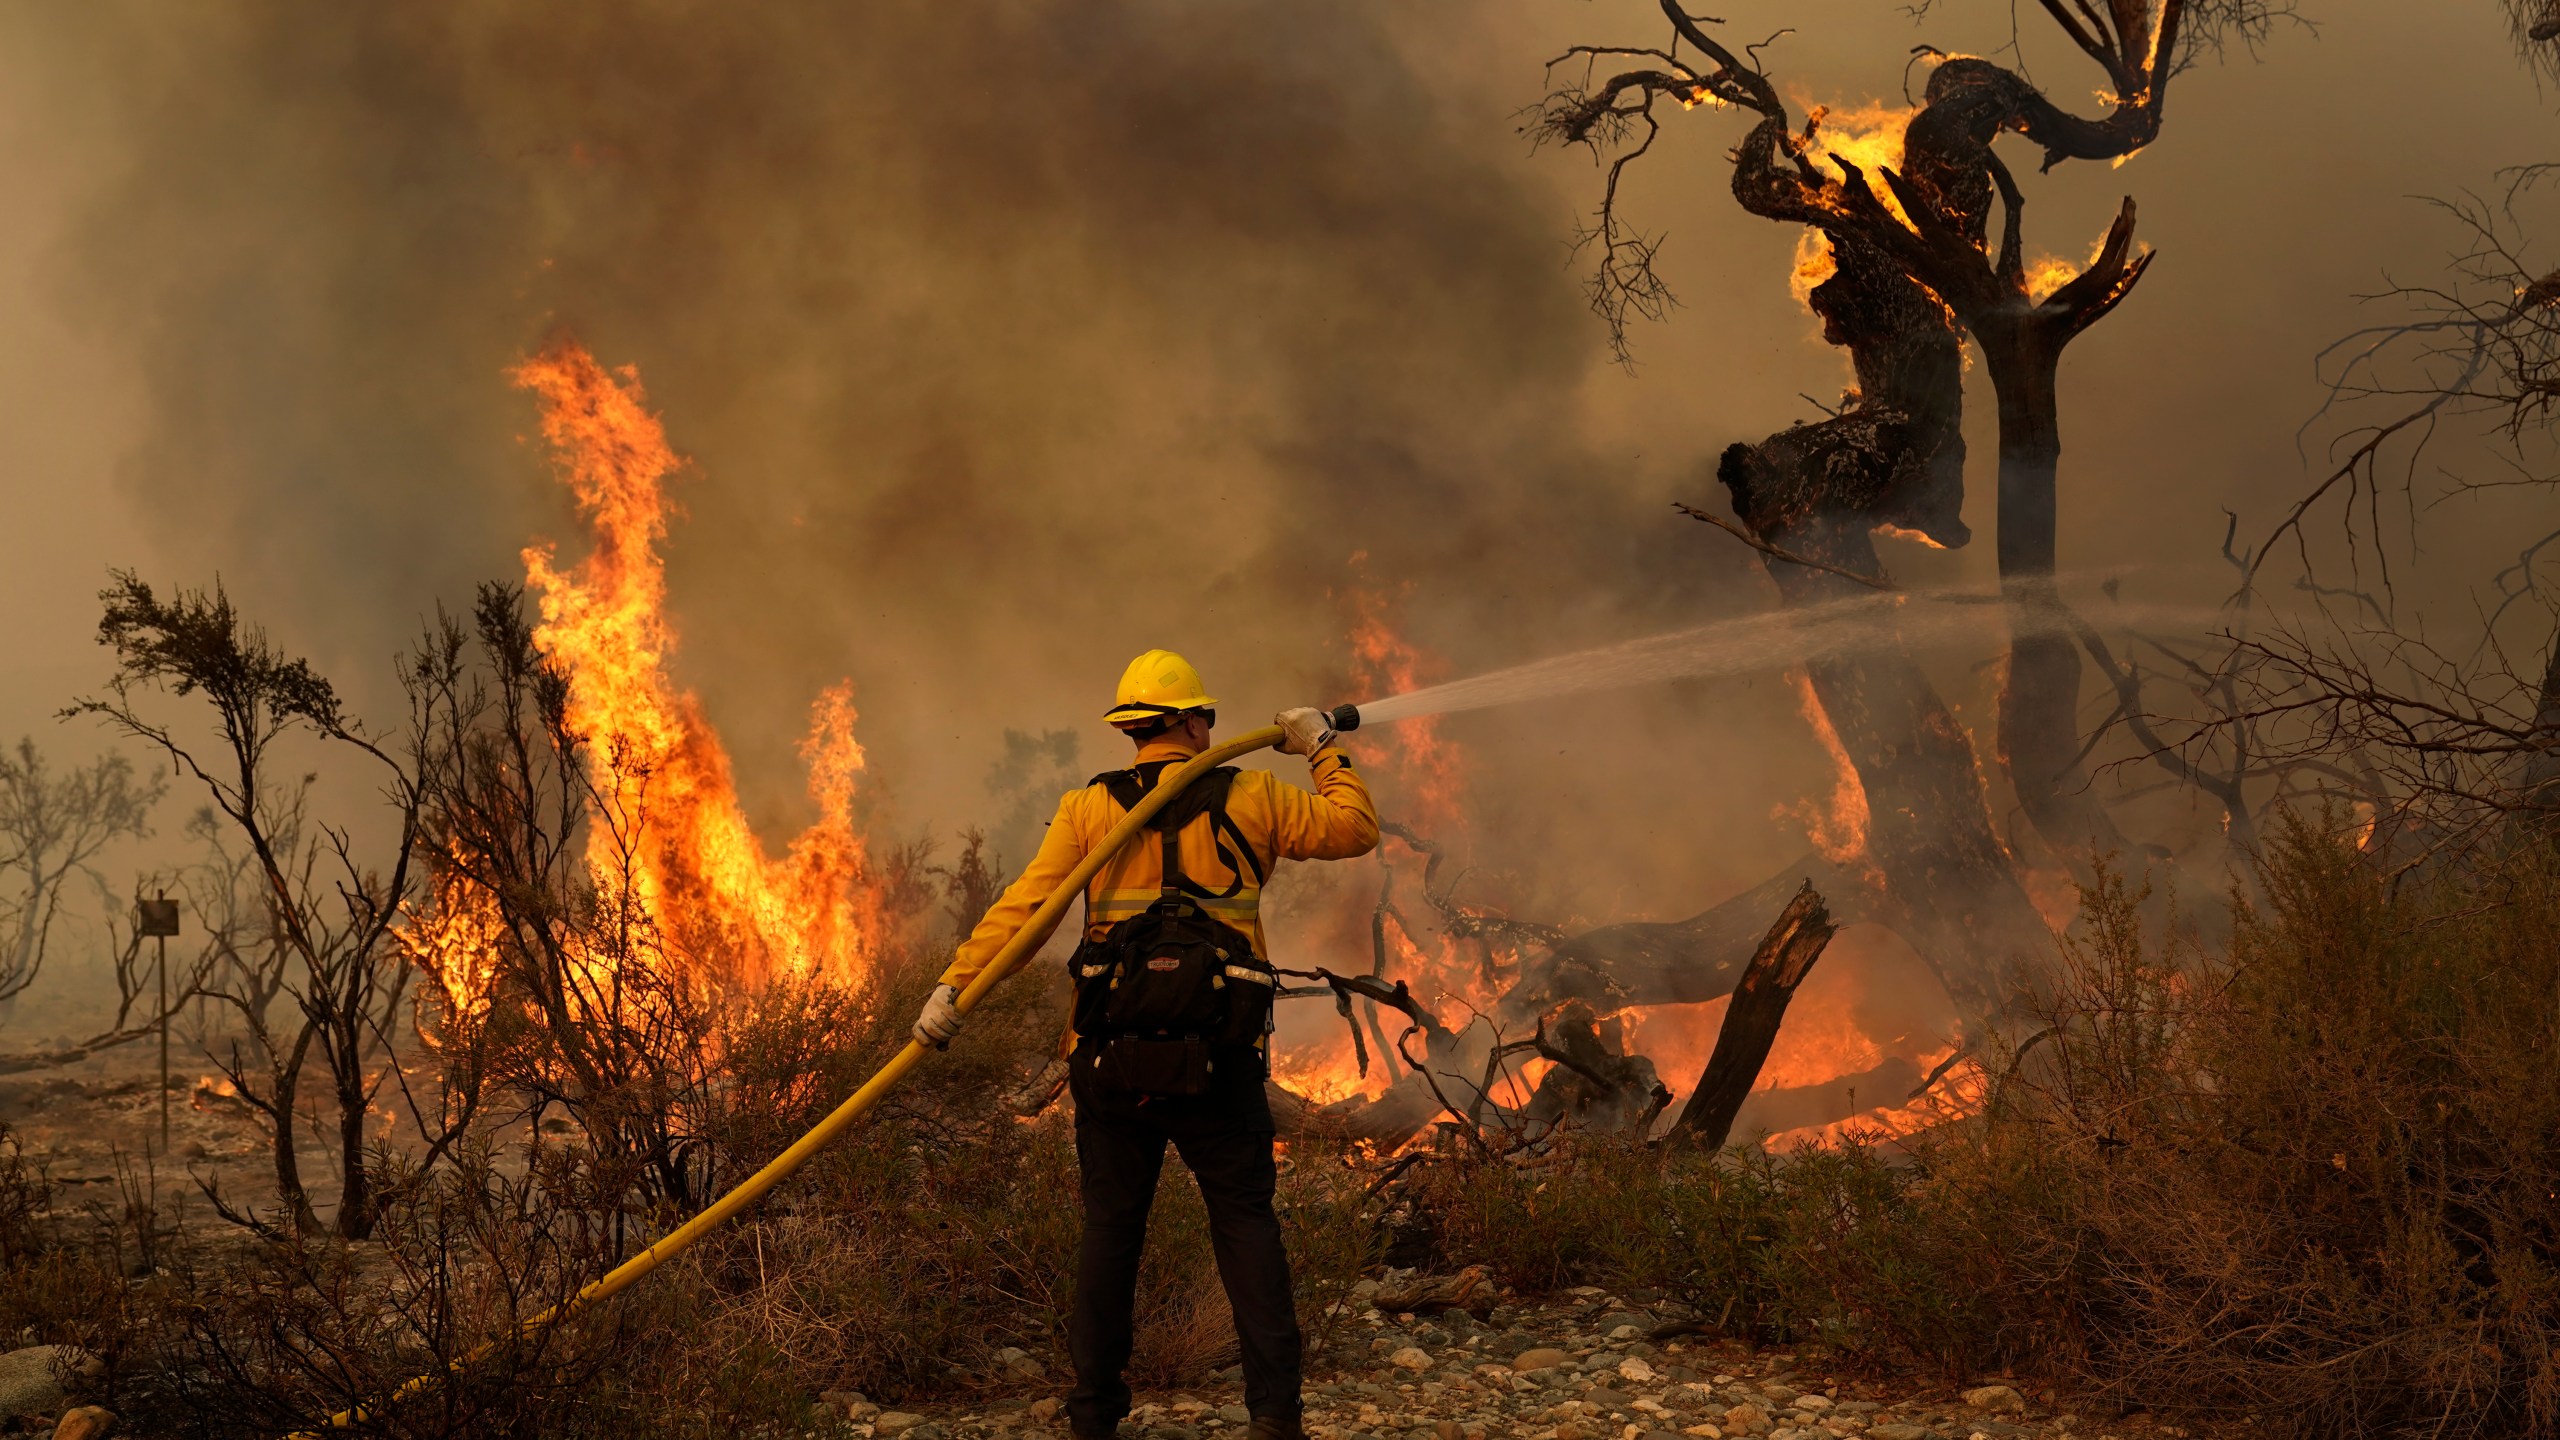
(1751, 1022)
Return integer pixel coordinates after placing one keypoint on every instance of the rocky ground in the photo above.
(1580, 1366)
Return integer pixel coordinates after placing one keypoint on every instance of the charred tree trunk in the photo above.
(1947, 188)
(284, 1091)
(1893, 456)
(1890, 1081)
(1751, 1023)
(355, 1215)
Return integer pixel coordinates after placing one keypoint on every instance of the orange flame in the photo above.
(1869, 137)
(1418, 775)
(456, 944)
(1838, 828)
(1417, 765)
(677, 843)
(668, 845)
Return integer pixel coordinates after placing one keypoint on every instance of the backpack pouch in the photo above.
(1153, 1067)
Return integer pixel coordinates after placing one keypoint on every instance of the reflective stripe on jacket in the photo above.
(1280, 820)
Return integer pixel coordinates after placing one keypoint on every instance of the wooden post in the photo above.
(158, 918)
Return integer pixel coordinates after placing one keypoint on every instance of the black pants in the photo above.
(1225, 1140)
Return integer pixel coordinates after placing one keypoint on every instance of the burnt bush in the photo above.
(2314, 1178)
(2317, 1179)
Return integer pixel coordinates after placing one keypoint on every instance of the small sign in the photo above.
(155, 917)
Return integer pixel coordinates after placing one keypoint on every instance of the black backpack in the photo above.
(1163, 990)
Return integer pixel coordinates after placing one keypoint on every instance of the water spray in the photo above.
(1854, 628)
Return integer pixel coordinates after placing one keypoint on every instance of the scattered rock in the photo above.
(1412, 1358)
(895, 1422)
(30, 1379)
(1020, 1364)
(1047, 1407)
(1815, 1403)
(1898, 1430)
(1636, 1370)
(1995, 1397)
(1748, 1417)
(86, 1422)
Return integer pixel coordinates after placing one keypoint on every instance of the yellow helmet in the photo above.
(1157, 683)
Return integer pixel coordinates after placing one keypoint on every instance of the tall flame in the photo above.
(1869, 137)
(1839, 828)
(1419, 764)
(677, 841)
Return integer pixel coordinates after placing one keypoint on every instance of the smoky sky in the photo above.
(1009, 339)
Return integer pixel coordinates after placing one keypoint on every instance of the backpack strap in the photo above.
(1206, 795)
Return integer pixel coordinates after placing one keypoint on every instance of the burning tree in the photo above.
(1901, 266)
(598, 901)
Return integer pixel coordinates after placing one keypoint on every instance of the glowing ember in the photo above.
(456, 944)
(1896, 532)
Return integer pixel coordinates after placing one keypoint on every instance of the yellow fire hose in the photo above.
(839, 1120)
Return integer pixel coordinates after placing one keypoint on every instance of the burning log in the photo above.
(1751, 1023)
(1890, 1082)
(1683, 962)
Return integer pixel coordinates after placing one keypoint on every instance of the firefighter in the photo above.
(1172, 1021)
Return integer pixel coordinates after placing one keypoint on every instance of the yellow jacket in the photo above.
(1279, 820)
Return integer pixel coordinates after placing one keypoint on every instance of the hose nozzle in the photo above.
(1344, 717)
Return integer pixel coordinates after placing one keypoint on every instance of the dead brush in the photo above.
(2313, 1181)
(264, 1337)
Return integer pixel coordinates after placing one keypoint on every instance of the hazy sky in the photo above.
(1008, 339)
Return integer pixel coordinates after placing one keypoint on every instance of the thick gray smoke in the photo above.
(1008, 339)
(1011, 337)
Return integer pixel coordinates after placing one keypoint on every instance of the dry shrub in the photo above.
(80, 1275)
(908, 1257)
(2317, 1180)
(1812, 1245)
(898, 1262)
(262, 1337)
(935, 1234)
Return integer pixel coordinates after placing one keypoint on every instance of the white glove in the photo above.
(1309, 730)
(941, 1018)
